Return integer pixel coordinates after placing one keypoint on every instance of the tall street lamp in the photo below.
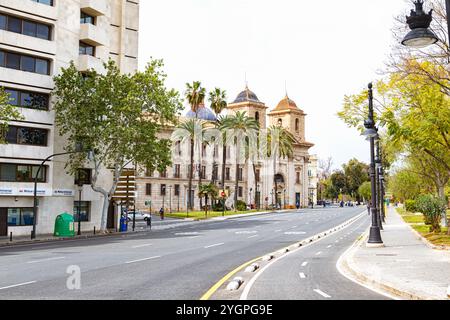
(170, 197)
(371, 133)
(377, 180)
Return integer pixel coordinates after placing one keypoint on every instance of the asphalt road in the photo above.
(178, 263)
(310, 273)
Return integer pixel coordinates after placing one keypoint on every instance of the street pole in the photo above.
(375, 234)
(170, 198)
(377, 181)
(80, 189)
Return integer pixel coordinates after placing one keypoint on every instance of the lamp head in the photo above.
(419, 22)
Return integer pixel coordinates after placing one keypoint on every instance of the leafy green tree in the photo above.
(405, 184)
(118, 116)
(208, 191)
(238, 126)
(365, 190)
(356, 174)
(338, 184)
(8, 112)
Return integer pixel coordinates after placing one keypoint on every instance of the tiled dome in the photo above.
(246, 96)
(203, 113)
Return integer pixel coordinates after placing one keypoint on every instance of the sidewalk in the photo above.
(157, 224)
(405, 268)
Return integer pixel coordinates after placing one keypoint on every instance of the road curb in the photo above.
(346, 266)
(425, 240)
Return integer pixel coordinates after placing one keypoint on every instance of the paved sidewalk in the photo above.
(157, 224)
(405, 268)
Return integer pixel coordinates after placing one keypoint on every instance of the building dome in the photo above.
(286, 104)
(246, 96)
(203, 113)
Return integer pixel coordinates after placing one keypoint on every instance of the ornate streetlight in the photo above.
(419, 22)
(371, 132)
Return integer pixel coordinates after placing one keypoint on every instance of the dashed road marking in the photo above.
(304, 264)
(142, 246)
(17, 285)
(252, 236)
(319, 253)
(214, 245)
(302, 275)
(323, 294)
(44, 260)
(141, 260)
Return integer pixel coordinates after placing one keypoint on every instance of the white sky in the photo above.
(323, 49)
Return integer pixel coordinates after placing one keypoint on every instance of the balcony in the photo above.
(93, 35)
(33, 8)
(86, 62)
(94, 7)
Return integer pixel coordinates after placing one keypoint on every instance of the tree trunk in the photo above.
(224, 160)
(190, 175)
(441, 192)
(236, 186)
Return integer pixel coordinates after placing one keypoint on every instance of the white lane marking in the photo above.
(337, 241)
(304, 264)
(17, 285)
(44, 260)
(329, 246)
(193, 237)
(294, 233)
(252, 236)
(186, 234)
(294, 227)
(318, 253)
(140, 260)
(302, 275)
(277, 230)
(323, 294)
(214, 245)
(142, 246)
(246, 232)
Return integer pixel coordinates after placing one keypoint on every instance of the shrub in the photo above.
(410, 206)
(241, 206)
(218, 207)
(432, 208)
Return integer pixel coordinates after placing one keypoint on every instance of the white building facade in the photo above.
(37, 39)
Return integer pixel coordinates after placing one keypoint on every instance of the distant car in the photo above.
(140, 216)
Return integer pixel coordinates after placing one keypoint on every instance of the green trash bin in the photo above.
(64, 225)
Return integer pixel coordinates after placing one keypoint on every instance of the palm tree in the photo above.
(195, 95)
(239, 126)
(218, 100)
(191, 130)
(280, 144)
(208, 191)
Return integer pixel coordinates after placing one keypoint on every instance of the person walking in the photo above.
(161, 213)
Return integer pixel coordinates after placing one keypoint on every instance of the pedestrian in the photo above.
(368, 207)
(297, 205)
(161, 213)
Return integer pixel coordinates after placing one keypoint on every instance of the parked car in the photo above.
(140, 216)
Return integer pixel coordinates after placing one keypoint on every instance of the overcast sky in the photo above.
(322, 49)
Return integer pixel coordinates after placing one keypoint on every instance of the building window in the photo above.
(148, 189)
(203, 172)
(18, 217)
(47, 2)
(203, 150)
(228, 149)
(240, 174)
(25, 27)
(85, 210)
(297, 177)
(216, 151)
(227, 174)
(24, 62)
(83, 176)
(86, 49)
(177, 190)
(148, 172)
(28, 99)
(178, 148)
(85, 18)
(215, 172)
(10, 172)
(27, 136)
(297, 125)
(190, 173)
(163, 189)
(280, 122)
(257, 116)
(163, 174)
(240, 193)
(177, 171)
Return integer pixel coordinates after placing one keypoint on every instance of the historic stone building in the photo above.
(170, 188)
(37, 39)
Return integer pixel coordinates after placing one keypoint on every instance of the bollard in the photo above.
(94, 230)
(10, 237)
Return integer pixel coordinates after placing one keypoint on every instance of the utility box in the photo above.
(64, 225)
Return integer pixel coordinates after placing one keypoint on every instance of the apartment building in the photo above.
(37, 39)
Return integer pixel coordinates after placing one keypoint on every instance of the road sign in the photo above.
(148, 203)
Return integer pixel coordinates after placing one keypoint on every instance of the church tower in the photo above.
(248, 101)
(290, 117)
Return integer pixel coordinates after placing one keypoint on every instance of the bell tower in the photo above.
(248, 101)
(290, 117)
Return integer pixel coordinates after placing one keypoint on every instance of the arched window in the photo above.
(280, 122)
(297, 125)
(257, 116)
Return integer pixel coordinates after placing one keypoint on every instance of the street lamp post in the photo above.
(170, 198)
(284, 191)
(371, 133)
(271, 193)
(378, 181)
(78, 149)
(80, 190)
